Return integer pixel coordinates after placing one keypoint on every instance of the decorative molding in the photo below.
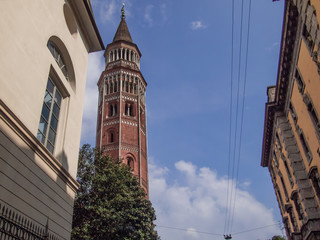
(126, 97)
(111, 123)
(112, 98)
(129, 149)
(129, 123)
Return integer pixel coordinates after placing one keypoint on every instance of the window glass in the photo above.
(56, 110)
(45, 112)
(50, 86)
(54, 122)
(47, 98)
(57, 98)
(50, 113)
(40, 137)
(52, 135)
(58, 57)
(43, 125)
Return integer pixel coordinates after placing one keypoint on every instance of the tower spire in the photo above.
(123, 15)
(122, 33)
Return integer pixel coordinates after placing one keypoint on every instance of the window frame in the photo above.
(51, 126)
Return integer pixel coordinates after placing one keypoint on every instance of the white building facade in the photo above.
(43, 66)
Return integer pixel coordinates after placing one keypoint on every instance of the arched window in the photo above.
(62, 57)
(111, 137)
(128, 109)
(59, 58)
(130, 163)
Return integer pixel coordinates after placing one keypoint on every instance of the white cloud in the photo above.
(195, 25)
(89, 119)
(196, 202)
(147, 15)
(163, 11)
(107, 9)
(273, 46)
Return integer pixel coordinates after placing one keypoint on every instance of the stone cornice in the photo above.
(285, 69)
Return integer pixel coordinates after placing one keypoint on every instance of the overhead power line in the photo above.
(217, 234)
(190, 230)
(236, 120)
(230, 117)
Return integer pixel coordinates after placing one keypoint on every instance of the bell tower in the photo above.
(121, 121)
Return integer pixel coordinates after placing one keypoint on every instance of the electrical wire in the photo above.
(234, 181)
(217, 234)
(230, 116)
(254, 229)
(190, 230)
(242, 111)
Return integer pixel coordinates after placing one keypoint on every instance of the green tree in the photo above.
(110, 204)
(278, 238)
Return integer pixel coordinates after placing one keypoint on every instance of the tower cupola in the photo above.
(122, 50)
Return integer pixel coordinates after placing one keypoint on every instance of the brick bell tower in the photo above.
(121, 123)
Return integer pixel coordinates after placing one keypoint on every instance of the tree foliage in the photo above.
(278, 238)
(110, 204)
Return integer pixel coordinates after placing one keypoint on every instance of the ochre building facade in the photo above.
(121, 120)
(43, 64)
(291, 141)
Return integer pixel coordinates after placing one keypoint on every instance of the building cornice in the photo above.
(84, 15)
(286, 67)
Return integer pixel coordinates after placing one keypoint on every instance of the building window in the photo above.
(130, 163)
(49, 116)
(279, 145)
(287, 226)
(287, 169)
(300, 82)
(279, 198)
(305, 146)
(308, 39)
(298, 206)
(113, 110)
(58, 57)
(129, 109)
(312, 113)
(111, 137)
(272, 173)
(315, 180)
(292, 219)
(284, 187)
(293, 113)
(276, 161)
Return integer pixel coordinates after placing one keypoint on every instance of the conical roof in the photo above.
(122, 33)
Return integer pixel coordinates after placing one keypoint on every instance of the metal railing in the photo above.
(14, 226)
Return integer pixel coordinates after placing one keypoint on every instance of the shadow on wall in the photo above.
(30, 184)
(63, 159)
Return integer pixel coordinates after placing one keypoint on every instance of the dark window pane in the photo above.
(51, 136)
(50, 147)
(50, 86)
(43, 125)
(54, 123)
(48, 99)
(57, 98)
(40, 137)
(56, 110)
(45, 112)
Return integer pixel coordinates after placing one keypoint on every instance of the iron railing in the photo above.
(15, 226)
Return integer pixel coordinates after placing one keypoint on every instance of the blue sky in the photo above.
(186, 61)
